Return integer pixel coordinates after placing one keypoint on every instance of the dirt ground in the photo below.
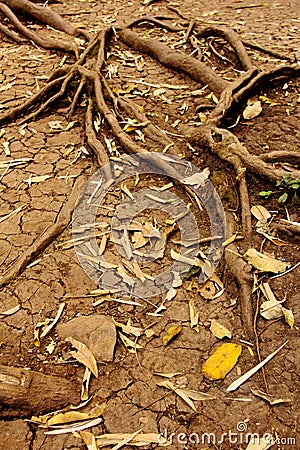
(128, 383)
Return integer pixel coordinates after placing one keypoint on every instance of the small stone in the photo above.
(97, 332)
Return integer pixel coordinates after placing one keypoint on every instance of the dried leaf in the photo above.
(139, 239)
(271, 310)
(85, 385)
(10, 311)
(194, 315)
(197, 179)
(260, 213)
(270, 398)
(167, 375)
(139, 440)
(267, 100)
(218, 330)
(128, 328)
(76, 427)
(89, 439)
(252, 110)
(84, 355)
(207, 290)
(265, 263)
(37, 179)
(67, 417)
(49, 327)
(288, 316)
(171, 333)
(237, 383)
(218, 365)
(188, 395)
(129, 343)
(125, 189)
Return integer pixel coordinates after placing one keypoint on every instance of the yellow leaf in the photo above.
(221, 361)
(71, 416)
(218, 330)
(264, 263)
(171, 333)
(89, 440)
(288, 316)
(84, 355)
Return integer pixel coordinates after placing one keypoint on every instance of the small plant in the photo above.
(291, 188)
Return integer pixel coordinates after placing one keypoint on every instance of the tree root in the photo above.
(196, 70)
(232, 38)
(281, 156)
(31, 35)
(241, 271)
(46, 16)
(86, 72)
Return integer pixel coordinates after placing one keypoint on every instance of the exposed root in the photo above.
(195, 69)
(241, 271)
(92, 140)
(232, 38)
(287, 229)
(86, 72)
(44, 43)
(282, 156)
(44, 15)
(11, 34)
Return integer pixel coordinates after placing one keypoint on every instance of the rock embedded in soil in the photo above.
(97, 332)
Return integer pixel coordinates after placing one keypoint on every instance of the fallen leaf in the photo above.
(237, 383)
(260, 213)
(171, 333)
(194, 315)
(252, 110)
(259, 443)
(207, 290)
(267, 100)
(76, 427)
(218, 365)
(129, 343)
(10, 311)
(265, 263)
(139, 440)
(218, 330)
(85, 385)
(89, 439)
(288, 316)
(67, 417)
(270, 398)
(83, 355)
(188, 395)
(197, 179)
(271, 310)
(128, 328)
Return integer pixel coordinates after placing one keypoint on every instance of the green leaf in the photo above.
(265, 194)
(283, 198)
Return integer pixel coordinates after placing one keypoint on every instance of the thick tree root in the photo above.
(196, 70)
(86, 72)
(44, 43)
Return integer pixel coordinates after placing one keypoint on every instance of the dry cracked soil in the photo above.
(56, 153)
